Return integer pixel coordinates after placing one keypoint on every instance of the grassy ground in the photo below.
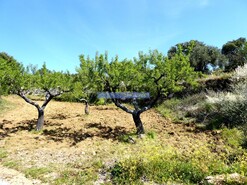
(75, 148)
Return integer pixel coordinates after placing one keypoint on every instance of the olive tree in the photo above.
(236, 53)
(202, 57)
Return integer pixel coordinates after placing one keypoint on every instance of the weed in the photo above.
(126, 137)
(3, 153)
(36, 172)
(11, 164)
(160, 165)
(75, 176)
(4, 106)
(151, 134)
(233, 137)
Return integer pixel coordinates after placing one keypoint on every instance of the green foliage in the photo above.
(3, 153)
(201, 56)
(233, 137)
(71, 177)
(101, 101)
(89, 76)
(178, 72)
(186, 109)
(151, 134)
(47, 80)
(37, 172)
(10, 73)
(78, 174)
(14, 78)
(169, 165)
(236, 52)
(11, 164)
(150, 72)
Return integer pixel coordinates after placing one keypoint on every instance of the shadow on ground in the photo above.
(76, 136)
(58, 133)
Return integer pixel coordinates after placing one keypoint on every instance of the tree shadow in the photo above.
(8, 127)
(107, 132)
(59, 116)
(58, 133)
(75, 136)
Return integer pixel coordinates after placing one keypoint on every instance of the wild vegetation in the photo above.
(196, 133)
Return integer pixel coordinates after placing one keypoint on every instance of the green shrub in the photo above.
(186, 109)
(170, 165)
(157, 166)
(230, 107)
(100, 101)
(233, 137)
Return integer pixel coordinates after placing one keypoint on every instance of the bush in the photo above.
(185, 109)
(159, 166)
(230, 107)
(171, 166)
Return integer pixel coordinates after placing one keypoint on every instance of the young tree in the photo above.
(22, 83)
(51, 83)
(88, 81)
(151, 73)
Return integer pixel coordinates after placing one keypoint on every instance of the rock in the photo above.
(131, 140)
(222, 179)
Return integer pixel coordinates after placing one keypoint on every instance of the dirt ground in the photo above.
(70, 136)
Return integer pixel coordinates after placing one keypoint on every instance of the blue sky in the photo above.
(58, 31)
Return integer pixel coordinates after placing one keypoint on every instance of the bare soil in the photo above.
(69, 136)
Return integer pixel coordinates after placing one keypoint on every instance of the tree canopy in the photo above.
(202, 57)
(10, 73)
(236, 53)
(153, 73)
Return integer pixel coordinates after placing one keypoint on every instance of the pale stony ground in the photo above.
(13, 177)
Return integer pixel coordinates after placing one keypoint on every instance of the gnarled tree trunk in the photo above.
(138, 123)
(86, 105)
(49, 96)
(40, 121)
(87, 108)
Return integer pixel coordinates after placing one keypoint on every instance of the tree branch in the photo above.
(22, 95)
(116, 102)
(83, 99)
(121, 106)
(153, 102)
(158, 79)
(49, 96)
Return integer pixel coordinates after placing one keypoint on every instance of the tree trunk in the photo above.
(138, 123)
(86, 108)
(40, 122)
